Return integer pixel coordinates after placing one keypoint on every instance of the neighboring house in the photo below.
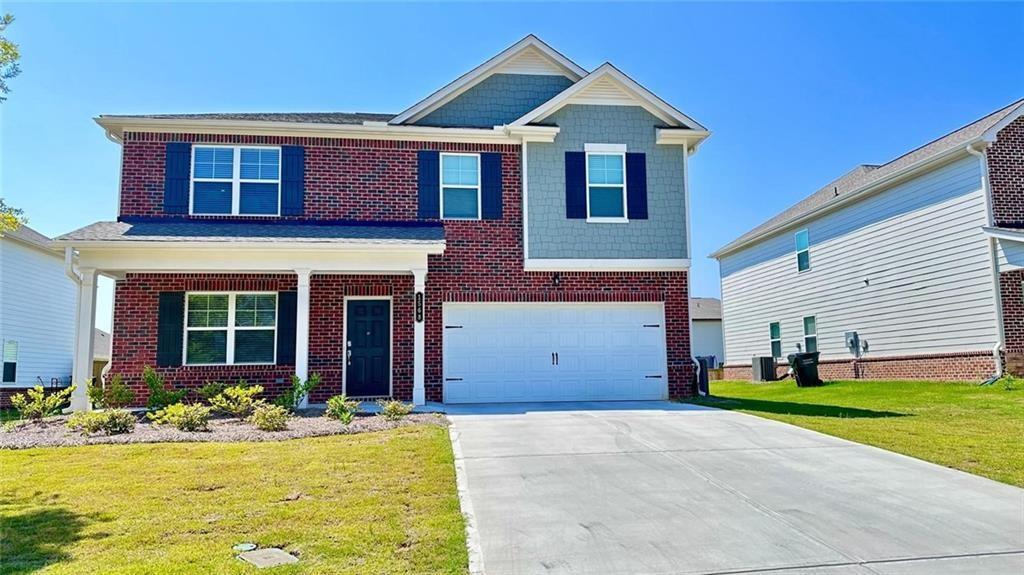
(909, 269)
(522, 234)
(100, 352)
(706, 315)
(37, 313)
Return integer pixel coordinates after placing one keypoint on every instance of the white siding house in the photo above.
(897, 253)
(37, 312)
(706, 337)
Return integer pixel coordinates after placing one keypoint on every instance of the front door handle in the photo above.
(348, 354)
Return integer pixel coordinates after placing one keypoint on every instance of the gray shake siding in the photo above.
(498, 100)
(552, 235)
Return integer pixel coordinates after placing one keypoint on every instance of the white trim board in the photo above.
(605, 265)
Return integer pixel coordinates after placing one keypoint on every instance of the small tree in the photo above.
(11, 218)
(9, 56)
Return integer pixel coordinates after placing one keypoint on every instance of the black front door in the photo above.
(368, 349)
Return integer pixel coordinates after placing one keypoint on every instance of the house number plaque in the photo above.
(419, 307)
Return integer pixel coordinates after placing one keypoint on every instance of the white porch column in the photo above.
(419, 393)
(85, 323)
(302, 329)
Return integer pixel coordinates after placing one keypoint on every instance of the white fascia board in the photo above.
(851, 197)
(643, 96)
(532, 133)
(426, 246)
(478, 74)
(1005, 234)
(116, 127)
(606, 265)
(681, 137)
(992, 133)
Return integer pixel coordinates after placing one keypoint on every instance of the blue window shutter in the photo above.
(490, 185)
(170, 328)
(636, 186)
(575, 185)
(287, 305)
(293, 180)
(429, 178)
(177, 172)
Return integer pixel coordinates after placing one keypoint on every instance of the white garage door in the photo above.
(554, 352)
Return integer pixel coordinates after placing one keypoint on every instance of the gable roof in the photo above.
(526, 54)
(705, 308)
(863, 177)
(599, 86)
(27, 235)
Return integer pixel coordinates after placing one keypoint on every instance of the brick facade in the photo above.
(967, 366)
(1005, 160)
(1011, 287)
(376, 180)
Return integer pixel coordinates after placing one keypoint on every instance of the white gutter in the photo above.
(429, 246)
(993, 260)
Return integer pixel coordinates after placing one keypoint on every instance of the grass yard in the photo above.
(972, 428)
(382, 502)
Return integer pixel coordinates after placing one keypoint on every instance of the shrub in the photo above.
(299, 389)
(342, 408)
(111, 421)
(183, 417)
(1011, 383)
(160, 396)
(267, 417)
(237, 401)
(211, 389)
(393, 410)
(35, 404)
(114, 394)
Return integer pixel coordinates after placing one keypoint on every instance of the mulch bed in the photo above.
(53, 432)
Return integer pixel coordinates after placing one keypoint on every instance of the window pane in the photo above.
(10, 350)
(460, 203)
(257, 198)
(259, 163)
(810, 325)
(207, 310)
(207, 347)
(811, 343)
(776, 349)
(211, 198)
(254, 346)
(803, 261)
(214, 163)
(10, 372)
(605, 169)
(606, 203)
(459, 171)
(775, 331)
(802, 240)
(266, 310)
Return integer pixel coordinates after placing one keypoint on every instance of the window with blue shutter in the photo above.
(490, 191)
(636, 185)
(293, 180)
(170, 328)
(428, 175)
(575, 185)
(177, 161)
(460, 186)
(236, 180)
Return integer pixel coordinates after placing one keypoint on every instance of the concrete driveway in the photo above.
(668, 488)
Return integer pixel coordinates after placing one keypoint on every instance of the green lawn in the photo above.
(380, 502)
(976, 429)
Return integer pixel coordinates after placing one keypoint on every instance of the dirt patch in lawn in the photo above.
(53, 431)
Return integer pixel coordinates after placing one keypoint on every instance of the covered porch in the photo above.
(330, 267)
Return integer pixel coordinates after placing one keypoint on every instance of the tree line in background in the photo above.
(10, 217)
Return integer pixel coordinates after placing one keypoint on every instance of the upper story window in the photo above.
(460, 186)
(810, 334)
(230, 328)
(775, 335)
(606, 182)
(803, 251)
(236, 180)
(10, 357)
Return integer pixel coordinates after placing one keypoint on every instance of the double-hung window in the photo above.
(775, 335)
(803, 251)
(236, 180)
(460, 186)
(10, 357)
(230, 328)
(810, 334)
(606, 183)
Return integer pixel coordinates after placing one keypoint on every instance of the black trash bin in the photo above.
(702, 375)
(805, 368)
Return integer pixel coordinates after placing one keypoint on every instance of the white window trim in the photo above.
(477, 187)
(230, 328)
(236, 180)
(772, 340)
(799, 251)
(606, 150)
(3, 360)
(803, 328)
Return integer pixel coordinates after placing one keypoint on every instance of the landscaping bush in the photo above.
(183, 417)
(114, 394)
(237, 401)
(342, 408)
(111, 422)
(212, 389)
(290, 398)
(267, 417)
(160, 396)
(393, 410)
(35, 403)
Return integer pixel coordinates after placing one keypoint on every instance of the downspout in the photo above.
(689, 271)
(994, 263)
(69, 270)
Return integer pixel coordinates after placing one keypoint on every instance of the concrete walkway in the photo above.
(666, 488)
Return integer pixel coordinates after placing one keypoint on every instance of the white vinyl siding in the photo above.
(707, 339)
(907, 268)
(37, 310)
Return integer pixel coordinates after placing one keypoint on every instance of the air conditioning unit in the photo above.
(763, 368)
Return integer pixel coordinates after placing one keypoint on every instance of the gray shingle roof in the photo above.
(28, 235)
(296, 117)
(705, 308)
(866, 174)
(248, 231)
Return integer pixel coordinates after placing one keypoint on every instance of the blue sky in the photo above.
(795, 94)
